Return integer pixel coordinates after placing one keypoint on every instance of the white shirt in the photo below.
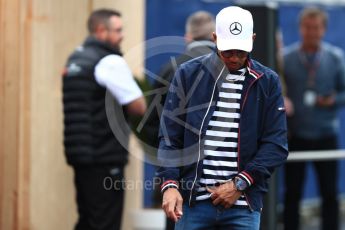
(113, 73)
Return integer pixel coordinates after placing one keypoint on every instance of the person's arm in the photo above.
(170, 150)
(225, 194)
(272, 146)
(337, 97)
(137, 107)
(172, 204)
(340, 90)
(113, 73)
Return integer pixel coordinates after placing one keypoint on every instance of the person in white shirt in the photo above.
(97, 157)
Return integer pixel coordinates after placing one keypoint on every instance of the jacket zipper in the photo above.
(200, 131)
(245, 97)
(239, 139)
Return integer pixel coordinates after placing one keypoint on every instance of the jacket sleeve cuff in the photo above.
(169, 184)
(246, 177)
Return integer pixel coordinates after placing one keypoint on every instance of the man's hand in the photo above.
(225, 194)
(289, 107)
(137, 107)
(172, 204)
(325, 101)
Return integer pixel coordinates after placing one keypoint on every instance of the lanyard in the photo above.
(310, 66)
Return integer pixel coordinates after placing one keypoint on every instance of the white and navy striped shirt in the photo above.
(220, 142)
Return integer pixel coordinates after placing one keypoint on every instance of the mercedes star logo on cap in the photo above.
(235, 28)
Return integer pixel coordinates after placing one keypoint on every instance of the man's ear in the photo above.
(254, 36)
(188, 38)
(101, 32)
(214, 37)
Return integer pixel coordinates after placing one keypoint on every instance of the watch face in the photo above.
(240, 184)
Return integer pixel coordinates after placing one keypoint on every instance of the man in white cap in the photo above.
(223, 132)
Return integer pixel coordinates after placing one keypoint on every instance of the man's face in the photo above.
(233, 59)
(114, 33)
(312, 30)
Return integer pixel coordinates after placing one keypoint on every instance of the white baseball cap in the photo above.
(234, 29)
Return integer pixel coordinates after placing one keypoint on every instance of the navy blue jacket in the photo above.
(262, 142)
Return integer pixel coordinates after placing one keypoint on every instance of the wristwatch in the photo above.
(240, 184)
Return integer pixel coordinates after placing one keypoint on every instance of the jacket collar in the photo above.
(201, 44)
(253, 69)
(92, 41)
(217, 67)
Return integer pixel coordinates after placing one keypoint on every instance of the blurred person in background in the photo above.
(90, 145)
(198, 36)
(314, 74)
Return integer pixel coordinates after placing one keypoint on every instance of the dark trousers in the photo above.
(327, 178)
(170, 224)
(100, 197)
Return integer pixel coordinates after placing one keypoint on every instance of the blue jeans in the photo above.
(205, 216)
